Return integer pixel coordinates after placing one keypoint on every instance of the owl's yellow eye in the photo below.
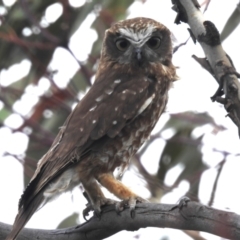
(154, 42)
(122, 44)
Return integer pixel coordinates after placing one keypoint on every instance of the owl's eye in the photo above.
(122, 44)
(154, 42)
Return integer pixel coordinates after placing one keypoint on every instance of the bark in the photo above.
(217, 61)
(189, 216)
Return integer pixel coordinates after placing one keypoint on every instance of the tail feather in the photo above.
(24, 214)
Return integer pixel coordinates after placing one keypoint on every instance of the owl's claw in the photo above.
(97, 207)
(131, 203)
(86, 211)
(120, 206)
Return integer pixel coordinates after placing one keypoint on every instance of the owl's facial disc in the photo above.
(139, 42)
(138, 46)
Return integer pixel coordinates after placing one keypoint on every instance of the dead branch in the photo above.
(192, 216)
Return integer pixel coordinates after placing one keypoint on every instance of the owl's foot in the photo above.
(96, 207)
(131, 203)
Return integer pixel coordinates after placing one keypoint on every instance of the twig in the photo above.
(35, 22)
(9, 37)
(220, 167)
(175, 49)
(206, 2)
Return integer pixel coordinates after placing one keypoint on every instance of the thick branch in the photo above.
(217, 62)
(192, 216)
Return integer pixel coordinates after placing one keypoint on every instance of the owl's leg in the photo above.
(96, 196)
(121, 191)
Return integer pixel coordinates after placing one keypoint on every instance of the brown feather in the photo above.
(109, 124)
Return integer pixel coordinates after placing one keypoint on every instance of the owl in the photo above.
(110, 123)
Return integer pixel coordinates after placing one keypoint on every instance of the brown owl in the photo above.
(110, 123)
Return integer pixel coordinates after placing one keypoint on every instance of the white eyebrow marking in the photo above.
(108, 91)
(143, 34)
(117, 81)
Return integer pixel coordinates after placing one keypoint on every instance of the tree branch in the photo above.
(217, 62)
(192, 216)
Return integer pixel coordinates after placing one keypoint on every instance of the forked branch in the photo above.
(217, 62)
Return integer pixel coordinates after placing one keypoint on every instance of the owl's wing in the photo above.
(104, 111)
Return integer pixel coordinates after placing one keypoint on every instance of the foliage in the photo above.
(52, 108)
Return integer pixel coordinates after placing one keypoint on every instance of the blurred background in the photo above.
(49, 52)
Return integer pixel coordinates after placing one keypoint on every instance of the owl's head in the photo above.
(138, 41)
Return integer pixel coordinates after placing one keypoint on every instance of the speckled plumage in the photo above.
(111, 122)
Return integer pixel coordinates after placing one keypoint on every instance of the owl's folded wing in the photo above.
(104, 111)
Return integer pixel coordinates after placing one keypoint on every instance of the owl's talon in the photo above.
(86, 211)
(97, 213)
(120, 206)
(131, 203)
(132, 213)
(183, 202)
(96, 208)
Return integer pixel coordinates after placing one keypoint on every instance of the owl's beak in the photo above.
(138, 52)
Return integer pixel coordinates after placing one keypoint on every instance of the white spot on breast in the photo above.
(116, 108)
(99, 98)
(130, 150)
(124, 91)
(104, 158)
(146, 104)
(117, 81)
(81, 129)
(108, 91)
(94, 121)
(128, 142)
(110, 152)
(93, 108)
(114, 122)
(125, 159)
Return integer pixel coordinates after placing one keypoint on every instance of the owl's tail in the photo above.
(24, 214)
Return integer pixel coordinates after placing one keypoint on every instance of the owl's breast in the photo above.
(110, 153)
(134, 134)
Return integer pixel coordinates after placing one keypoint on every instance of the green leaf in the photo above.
(4, 113)
(182, 149)
(71, 220)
